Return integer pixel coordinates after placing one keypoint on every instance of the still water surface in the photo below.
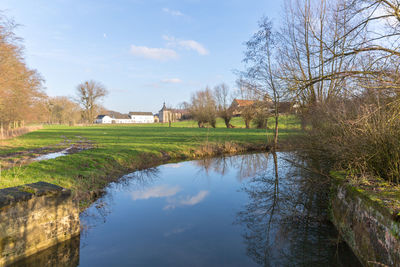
(246, 210)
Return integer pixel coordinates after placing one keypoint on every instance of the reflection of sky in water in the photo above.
(187, 214)
(155, 192)
(51, 155)
(165, 191)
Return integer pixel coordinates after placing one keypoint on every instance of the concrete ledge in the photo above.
(34, 217)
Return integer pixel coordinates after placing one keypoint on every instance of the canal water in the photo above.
(246, 210)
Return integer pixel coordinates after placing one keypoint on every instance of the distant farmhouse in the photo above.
(167, 114)
(132, 117)
(238, 105)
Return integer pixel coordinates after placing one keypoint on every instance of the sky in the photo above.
(145, 52)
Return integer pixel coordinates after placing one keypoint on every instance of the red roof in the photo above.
(243, 103)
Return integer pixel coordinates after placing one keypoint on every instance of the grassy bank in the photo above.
(118, 149)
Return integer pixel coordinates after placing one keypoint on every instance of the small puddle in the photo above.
(52, 155)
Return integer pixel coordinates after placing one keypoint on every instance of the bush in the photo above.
(358, 135)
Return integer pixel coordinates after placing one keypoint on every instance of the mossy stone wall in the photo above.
(366, 226)
(34, 217)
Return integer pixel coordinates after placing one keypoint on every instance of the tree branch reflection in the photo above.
(285, 220)
(247, 165)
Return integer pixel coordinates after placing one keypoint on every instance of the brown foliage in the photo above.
(21, 92)
(63, 110)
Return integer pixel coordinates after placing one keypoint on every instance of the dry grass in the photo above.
(361, 137)
(11, 133)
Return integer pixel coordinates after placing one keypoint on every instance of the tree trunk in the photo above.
(227, 120)
(276, 131)
(247, 123)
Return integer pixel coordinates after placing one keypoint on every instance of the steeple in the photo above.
(164, 107)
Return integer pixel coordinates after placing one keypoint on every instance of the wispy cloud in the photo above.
(188, 201)
(155, 192)
(162, 54)
(172, 80)
(186, 44)
(175, 13)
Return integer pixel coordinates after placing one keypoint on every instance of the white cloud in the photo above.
(175, 13)
(172, 80)
(162, 54)
(105, 35)
(155, 192)
(186, 44)
(188, 201)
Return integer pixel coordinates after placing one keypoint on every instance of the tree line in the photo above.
(22, 96)
(209, 104)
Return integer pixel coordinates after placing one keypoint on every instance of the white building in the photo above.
(103, 119)
(142, 117)
(133, 117)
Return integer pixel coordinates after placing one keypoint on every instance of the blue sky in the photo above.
(144, 52)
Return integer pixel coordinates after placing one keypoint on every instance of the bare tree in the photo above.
(247, 91)
(203, 108)
(223, 101)
(63, 110)
(313, 31)
(89, 94)
(262, 72)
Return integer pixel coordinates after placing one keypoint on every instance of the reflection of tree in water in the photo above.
(139, 179)
(286, 219)
(247, 165)
(101, 208)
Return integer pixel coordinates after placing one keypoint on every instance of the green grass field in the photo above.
(122, 148)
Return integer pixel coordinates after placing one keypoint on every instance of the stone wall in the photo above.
(34, 217)
(366, 226)
(65, 254)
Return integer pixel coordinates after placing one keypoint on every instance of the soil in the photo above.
(21, 158)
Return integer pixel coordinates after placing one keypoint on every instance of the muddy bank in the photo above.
(65, 147)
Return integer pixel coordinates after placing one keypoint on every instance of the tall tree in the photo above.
(89, 94)
(21, 91)
(312, 32)
(261, 71)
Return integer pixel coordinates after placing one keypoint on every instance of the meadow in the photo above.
(119, 149)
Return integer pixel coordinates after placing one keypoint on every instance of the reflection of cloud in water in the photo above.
(177, 230)
(155, 192)
(174, 165)
(188, 201)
